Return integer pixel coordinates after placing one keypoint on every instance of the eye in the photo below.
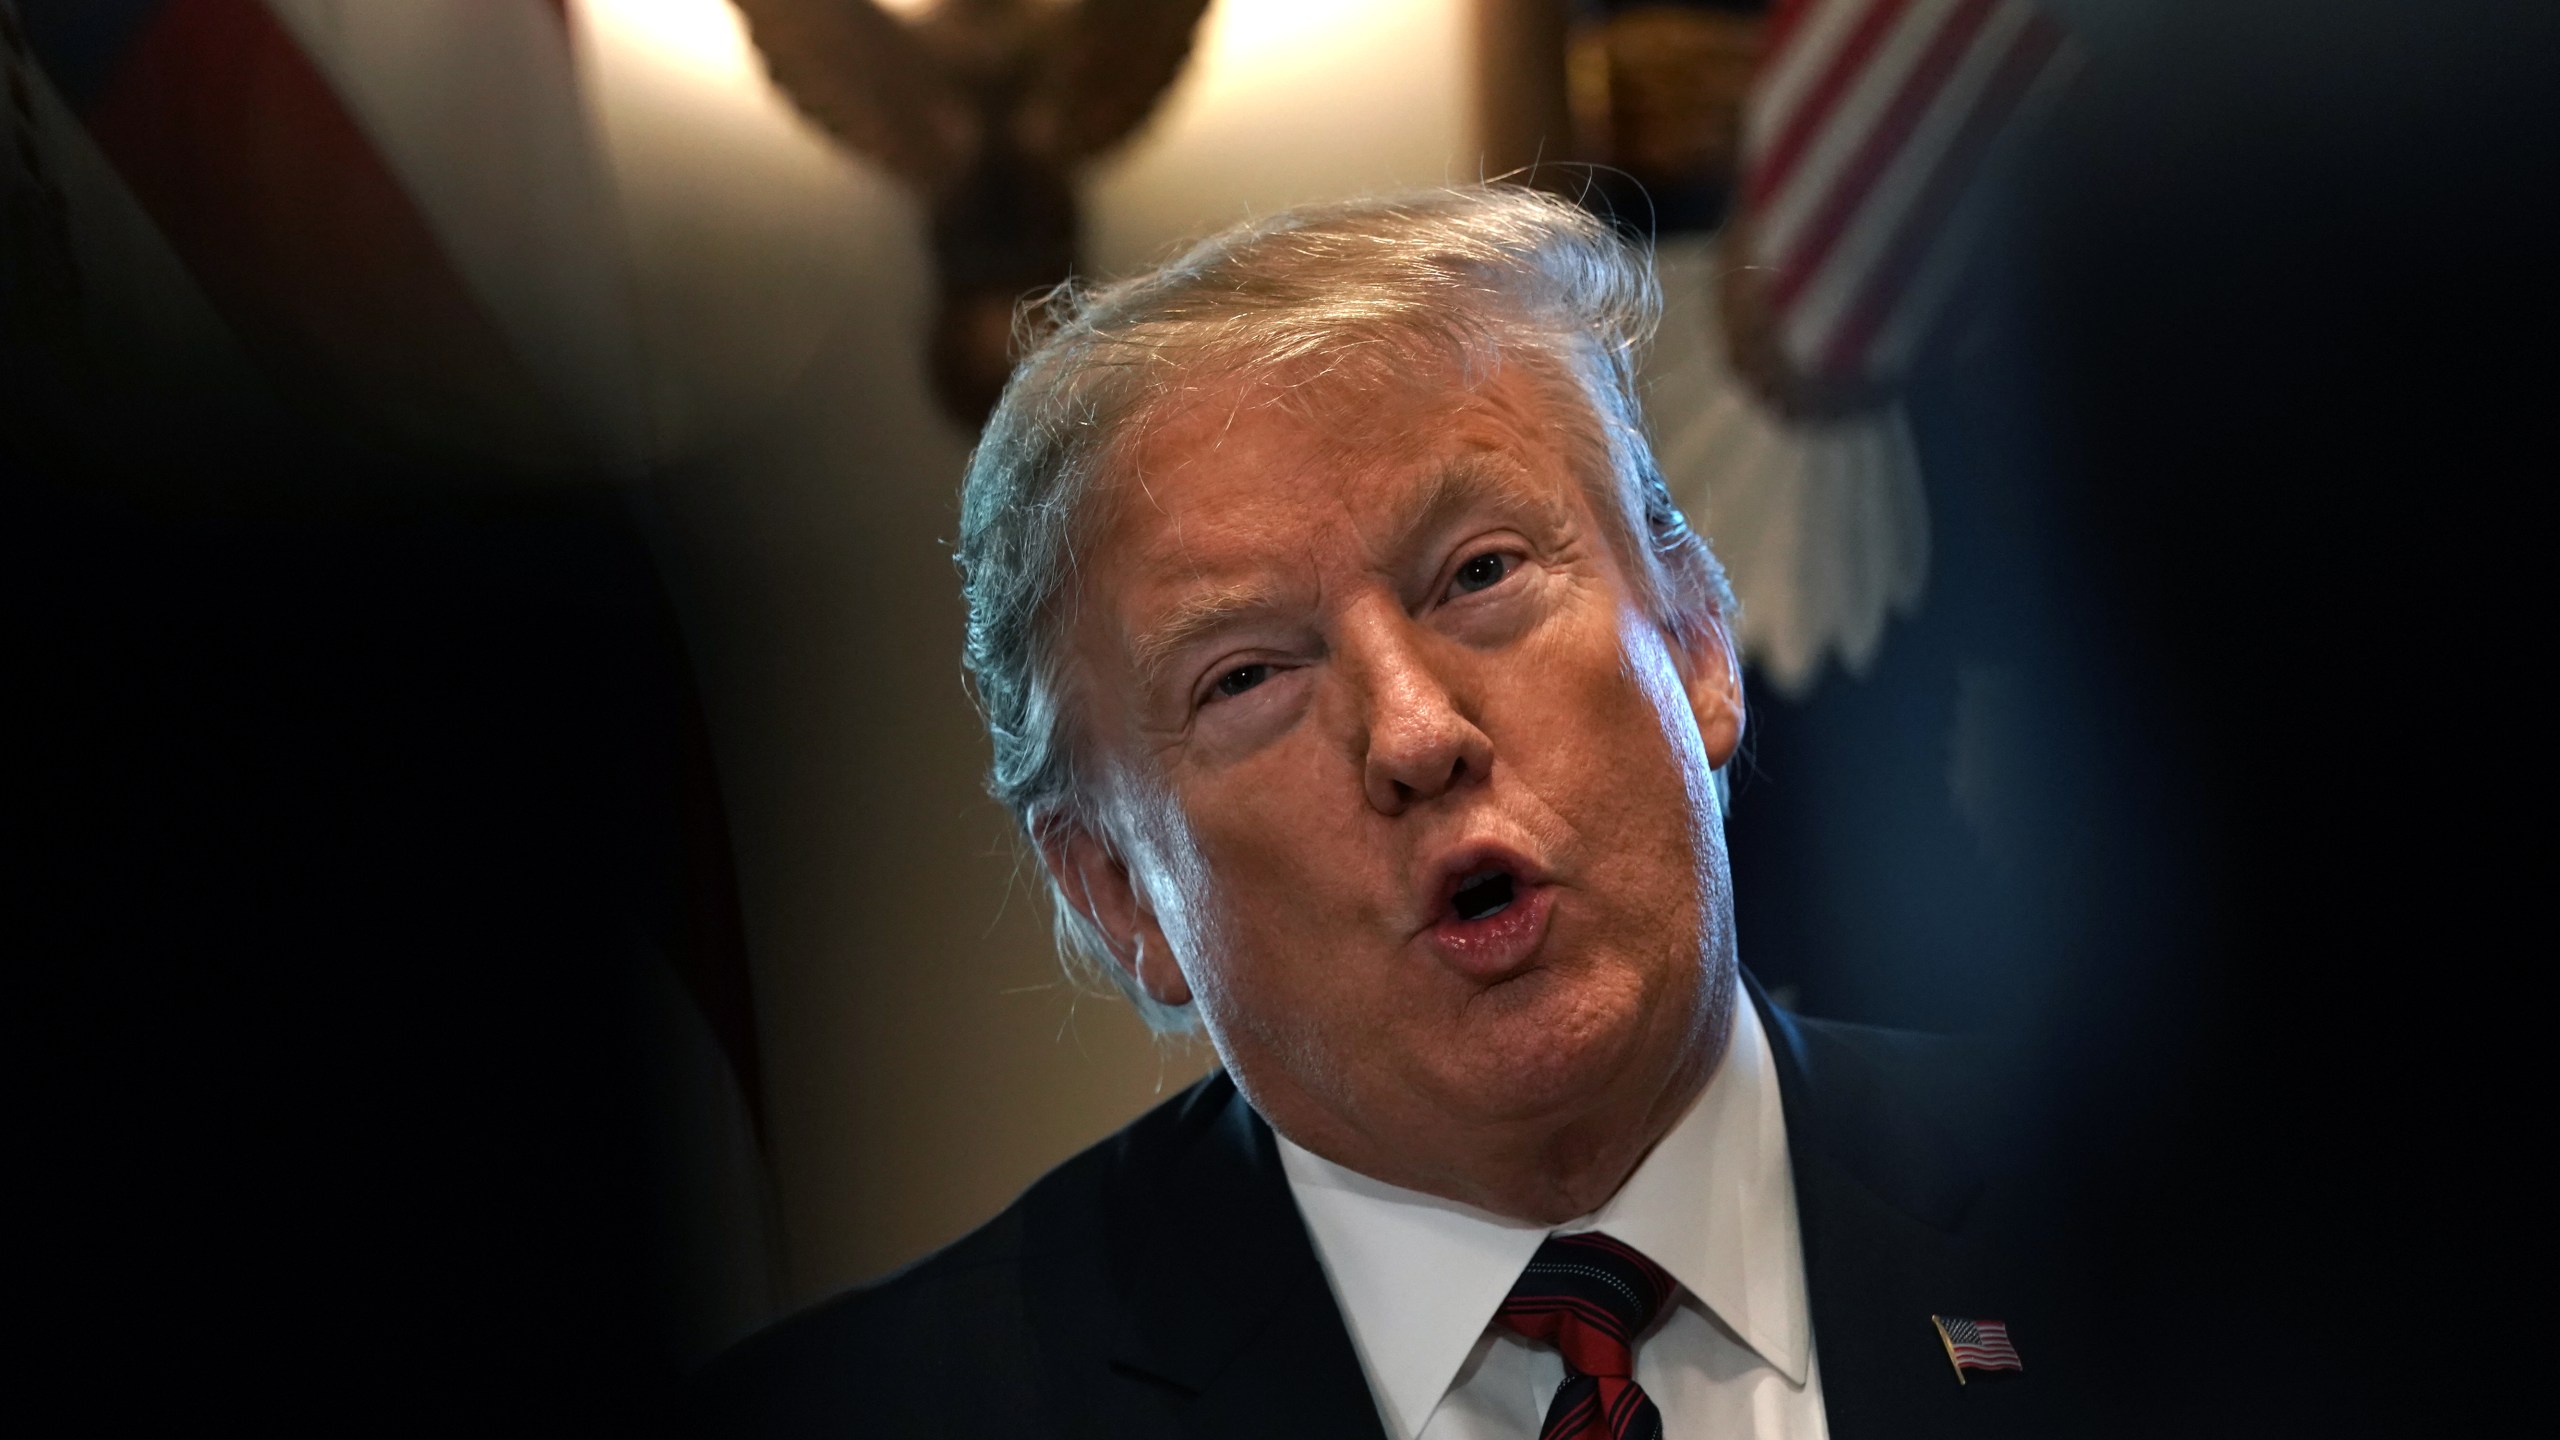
(1237, 681)
(1482, 572)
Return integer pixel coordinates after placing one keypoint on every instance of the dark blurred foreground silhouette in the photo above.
(357, 791)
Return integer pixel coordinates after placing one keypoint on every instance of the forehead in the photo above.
(1241, 469)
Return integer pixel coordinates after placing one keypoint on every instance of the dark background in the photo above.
(2246, 495)
(347, 827)
(350, 791)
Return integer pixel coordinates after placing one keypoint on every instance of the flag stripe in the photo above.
(1785, 18)
(1933, 291)
(2029, 46)
(1873, 219)
(1849, 122)
(1867, 135)
(506, 174)
(243, 155)
(1812, 68)
(1893, 128)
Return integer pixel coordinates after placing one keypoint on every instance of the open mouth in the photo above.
(1485, 893)
(1491, 922)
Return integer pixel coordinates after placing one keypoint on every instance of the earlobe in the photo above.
(1097, 885)
(1157, 974)
(1712, 669)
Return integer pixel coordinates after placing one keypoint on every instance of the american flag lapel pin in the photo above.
(1977, 1345)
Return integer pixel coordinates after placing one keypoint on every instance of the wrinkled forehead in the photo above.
(1343, 467)
(1372, 412)
(1338, 406)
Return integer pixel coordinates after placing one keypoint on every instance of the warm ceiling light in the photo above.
(702, 36)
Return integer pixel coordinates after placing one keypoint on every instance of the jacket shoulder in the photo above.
(1919, 1195)
(971, 1339)
(1956, 1090)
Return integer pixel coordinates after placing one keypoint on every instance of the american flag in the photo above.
(398, 209)
(1977, 1344)
(1865, 133)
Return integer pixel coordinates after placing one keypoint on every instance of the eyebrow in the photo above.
(1464, 483)
(1200, 614)
(1477, 478)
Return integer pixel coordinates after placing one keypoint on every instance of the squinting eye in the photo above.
(1481, 573)
(1237, 681)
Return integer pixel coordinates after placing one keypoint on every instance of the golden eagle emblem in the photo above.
(985, 109)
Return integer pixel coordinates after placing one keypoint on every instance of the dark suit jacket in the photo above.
(1162, 1283)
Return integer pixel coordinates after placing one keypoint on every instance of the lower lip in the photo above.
(1498, 945)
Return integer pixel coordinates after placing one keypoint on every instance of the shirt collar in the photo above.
(1715, 1204)
(1419, 1277)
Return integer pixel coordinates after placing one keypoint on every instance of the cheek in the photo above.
(1605, 695)
(1249, 891)
(1622, 761)
(1656, 675)
(1288, 827)
(1165, 853)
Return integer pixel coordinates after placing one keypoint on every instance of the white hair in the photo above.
(1359, 295)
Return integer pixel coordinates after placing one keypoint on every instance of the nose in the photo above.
(1418, 741)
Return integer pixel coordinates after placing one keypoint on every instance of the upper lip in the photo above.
(1457, 866)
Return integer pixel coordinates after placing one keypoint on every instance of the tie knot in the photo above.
(1590, 1297)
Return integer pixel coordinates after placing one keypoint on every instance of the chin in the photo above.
(1555, 1051)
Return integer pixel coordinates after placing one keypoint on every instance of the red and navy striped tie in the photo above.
(1591, 1298)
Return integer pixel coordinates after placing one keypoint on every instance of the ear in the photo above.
(1711, 669)
(1096, 882)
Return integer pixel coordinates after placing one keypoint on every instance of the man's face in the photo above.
(1408, 793)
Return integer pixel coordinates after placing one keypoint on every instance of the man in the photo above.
(1365, 696)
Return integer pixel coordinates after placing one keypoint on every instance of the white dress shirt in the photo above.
(1419, 1278)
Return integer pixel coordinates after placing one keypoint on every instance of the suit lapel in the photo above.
(1899, 1224)
(1223, 1311)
